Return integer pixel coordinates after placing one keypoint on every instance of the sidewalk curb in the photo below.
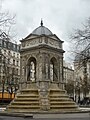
(16, 114)
(6, 113)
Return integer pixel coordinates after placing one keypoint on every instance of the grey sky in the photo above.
(60, 16)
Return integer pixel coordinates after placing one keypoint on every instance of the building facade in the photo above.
(82, 74)
(68, 72)
(68, 76)
(9, 65)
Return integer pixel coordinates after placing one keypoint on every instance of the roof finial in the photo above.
(41, 22)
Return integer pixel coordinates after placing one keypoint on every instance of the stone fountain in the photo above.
(41, 75)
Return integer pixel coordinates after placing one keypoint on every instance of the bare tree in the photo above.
(81, 43)
(69, 87)
(81, 36)
(6, 22)
(81, 40)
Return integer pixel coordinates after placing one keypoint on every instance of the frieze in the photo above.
(40, 40)
(23, 44)
(30, 43)
(46, 40)
(53, 43)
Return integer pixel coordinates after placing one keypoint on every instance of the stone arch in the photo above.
(30, 56)
(31, 69)
(53, 69)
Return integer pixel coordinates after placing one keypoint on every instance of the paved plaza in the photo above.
(72, 116)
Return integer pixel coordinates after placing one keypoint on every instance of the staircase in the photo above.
(60, 101)
(26, 101)
(29, 100)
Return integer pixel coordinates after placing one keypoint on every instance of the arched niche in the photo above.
(53, 69)
(31, 69)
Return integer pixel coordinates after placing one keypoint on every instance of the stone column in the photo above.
(43, 67)
(61, 73)
(23, 73)
(44, 95)
(41, 76)
(47, 67)
(58, 70)
(39, 68)
(43, 82)
(20, 85)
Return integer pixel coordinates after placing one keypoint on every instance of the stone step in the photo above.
(24, 110)
(65, 110)
(60, 99)
(27, 95)
(62, 103)
(30, 100)
(57, 93)
(24, 107)
(63, 106)
(58, 96)
(29, 90)
(26, 103)
(26, 99)
(51, 93)
(57, 90)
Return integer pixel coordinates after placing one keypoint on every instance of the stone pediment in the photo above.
(30, 36)
(32, 41)
(56, 38)
(33, 36)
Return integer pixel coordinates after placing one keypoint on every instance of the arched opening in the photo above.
(53, 69)
(31, 70)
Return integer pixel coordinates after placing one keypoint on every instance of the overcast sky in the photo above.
(60, 16)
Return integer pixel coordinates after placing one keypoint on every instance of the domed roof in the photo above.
(42, 30)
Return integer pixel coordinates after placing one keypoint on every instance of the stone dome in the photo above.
(42, 30)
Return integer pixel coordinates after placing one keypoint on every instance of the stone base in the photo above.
(40, 99)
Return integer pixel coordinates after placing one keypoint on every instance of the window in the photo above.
(14, 47)
(4, 59)
(5, 52)
(18, 47)
(13, 62)
(17, 63)
(8, 61)
(9, 52)
(13, 71)
(7, 69)
(17, 55)
(5, 45)
(17, 71)
(14, 54)
(0, 42)
(9, 45)
(0, 58)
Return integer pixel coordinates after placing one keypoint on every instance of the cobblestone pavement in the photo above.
(78, 116)
(15, 118)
